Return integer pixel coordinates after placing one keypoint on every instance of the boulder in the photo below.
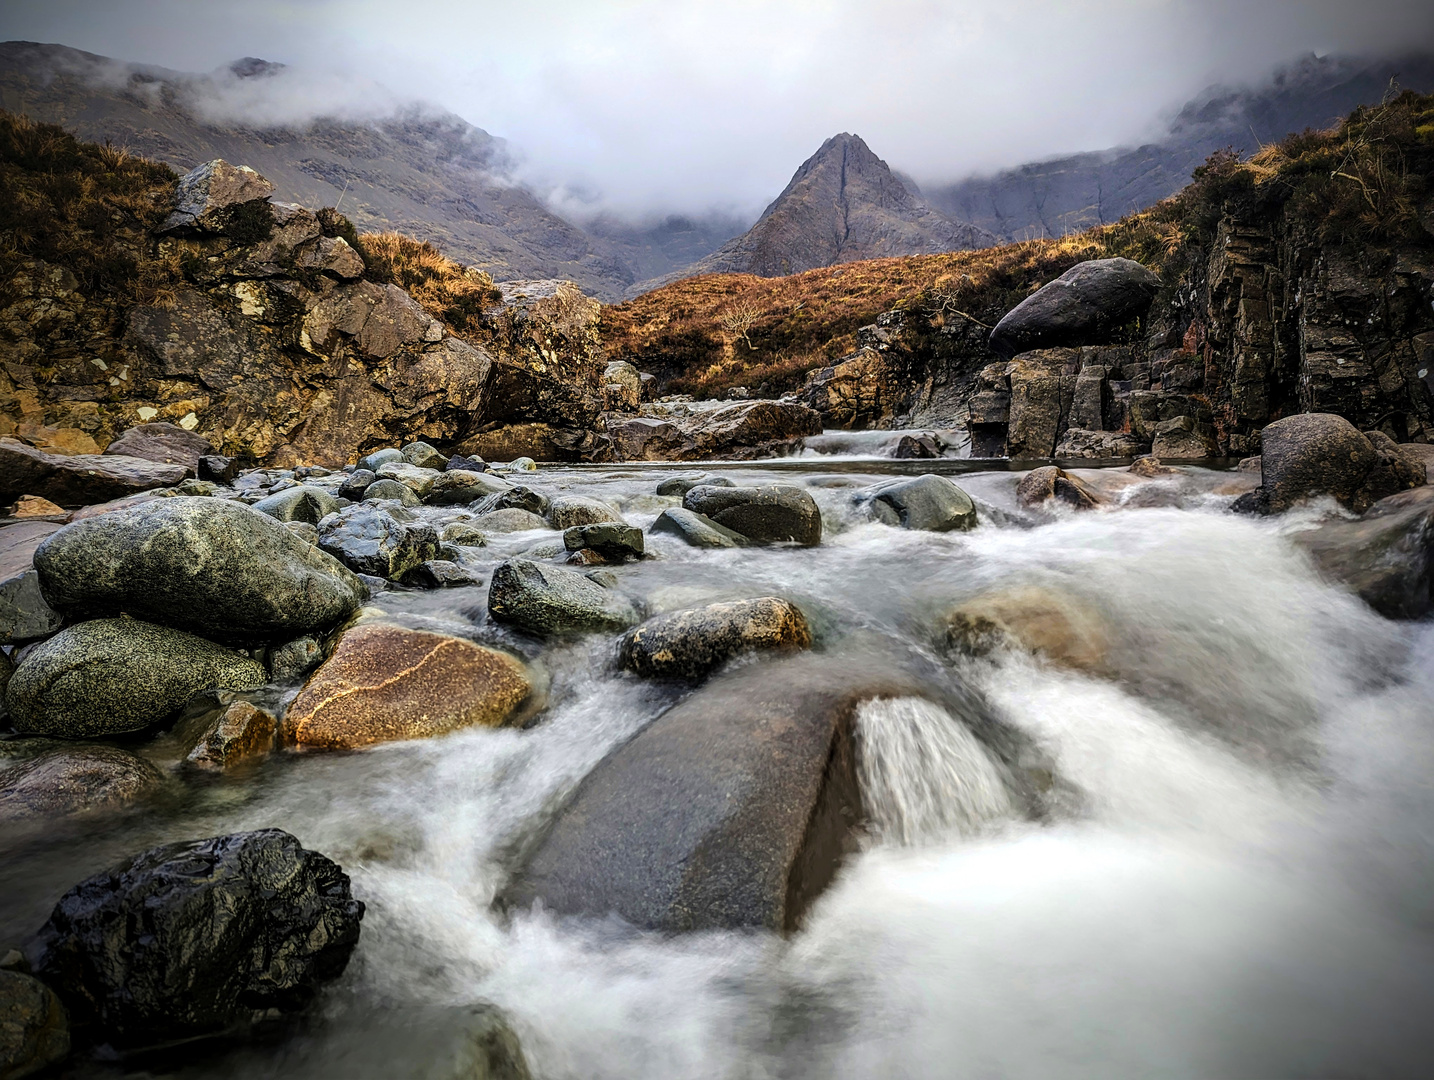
(217, 469)
(467, 464)
(24, 614)
(1385, 557)
(302, 503)
(459, 487)
(423, 456)
(32, 506)
(696, 529)
(241, 732)
(771, 514)
(520, 497)
(376, 460)
(565, 511)
(34, 1031)
(443, 574)
(73, 780)
(419, 481)
(114, 675)
(916, 446)
(688, 644)
(356, 484)
(608, 539)
(1039, 486)
(1080, 307)
(1314, 454)
(197, 937)
(509, 520)
(387, 490)
(217, 568)
(79, 480)
(208, 194)
(386, 682)
(929, 502)
(1180, 437)
(292, 660)
(548, 600)
(732, 809)
(167, 444)
(463, 534)
(681, 485)
(1049, 622)
(385, 541)
(743, 430)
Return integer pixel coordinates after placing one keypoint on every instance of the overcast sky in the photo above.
(666, 105)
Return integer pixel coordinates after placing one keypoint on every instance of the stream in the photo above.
(1236, 878)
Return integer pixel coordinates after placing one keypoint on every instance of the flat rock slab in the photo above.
(733, 809)
(18, 543)
(167, 444)
(78, 480)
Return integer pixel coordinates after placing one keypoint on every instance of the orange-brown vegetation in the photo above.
(455, 294)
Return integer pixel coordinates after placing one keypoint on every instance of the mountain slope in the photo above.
(843, 205)
(1066, 194)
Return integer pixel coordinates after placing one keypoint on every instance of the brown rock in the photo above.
(1150, 467)
(32, 506)
(1052, 482)
(741, 431)
(1053, 624)
(34, 1031)
(168, 444)
(240, 733)
(80, 480)
(385, 682)
(58, 440)
(73, 780)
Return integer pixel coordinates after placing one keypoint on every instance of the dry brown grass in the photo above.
(456, 294)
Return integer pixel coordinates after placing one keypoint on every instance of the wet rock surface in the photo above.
(1049, 482)
(1385, 557)
(568, 511)
(689, 644)
(928, 502)
(24, 614)
(63, 780)
(771, 514)
(241, 732)
(384, 541)
(34, 1031)
(696, 529)
(548, 600)
(609, 539)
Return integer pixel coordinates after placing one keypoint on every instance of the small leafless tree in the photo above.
(739, 320)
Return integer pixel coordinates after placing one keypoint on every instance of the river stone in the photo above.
(423, 456)
(612, 541)
(292, 660)
(696, 529)
(34, 1031)
(443, 574)
(7, 668)
(732, 809)
(519, 497)
(24, 614)
(386, 682)
(32, 506)
(73, 780)
(546, 600)
(1313, 454)
(113, 675)
(769, 514)
(419, 481)
(1082, 305)
(1049, 622)
(376, 539)
(217, 468)
(1051, 482)
(78, 480)
(302, 503)
(509, 520)
(457, 486)
(565, 511)
(689, 644)
(464, 534)
(468, 463)
(212, 566)
(193, 938)
(373, 461)
(681, 485)
(930, 502)
(241, 732)
(168, 444)
(387, 490)
(1386, 557)
(355, 484)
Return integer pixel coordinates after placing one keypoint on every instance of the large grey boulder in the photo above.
(302, 503)
(929, 502)
(1082, 305)
(74, 780)
(565, 511)
(209, 193)
(34, 1031)
(197, 937)
(24, 614)
(688, 644)
(114, 675)
(608, 539)
(382, 540)
(215, 567)
(696, 529)
(387, 490)
(1386, 557)
(167, 444)
(770, 514)
(1313, 454)
(80, 479)
(547, 600)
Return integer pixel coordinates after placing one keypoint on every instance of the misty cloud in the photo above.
(644, 106)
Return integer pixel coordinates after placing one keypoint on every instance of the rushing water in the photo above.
(1235, 880)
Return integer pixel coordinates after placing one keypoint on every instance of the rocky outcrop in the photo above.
(138, 959)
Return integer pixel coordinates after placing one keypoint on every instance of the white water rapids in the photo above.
(1237, 879)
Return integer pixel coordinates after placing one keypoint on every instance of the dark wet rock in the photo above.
(917, 446)
(114, 675)
(198, 937)
(386, 682)
(67, 780)
(770, 514)
(167, 444)
(548, 600)
(372, 462)
(929, 502)
(77, 480)
(509, 520)
(681, 485)
(1080, 307)
(387, 490)
(419, 481)
(423, 456)
(1385, 557)
(356, 484)
(214, 567)
(208, 194)
(520, 497)
(302, 503)
(443, 574)
(610, 540)
(733, 809)
(696, 529)
(34, 1031)
(1050, 622)
(217, 468)
(458, 487)
(241, 733)
(377, 539)
(24, 614)
(565, 511)
(1050, 482)
(688, 644)
(292, 660)
(459, 462)
(1313, 454)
